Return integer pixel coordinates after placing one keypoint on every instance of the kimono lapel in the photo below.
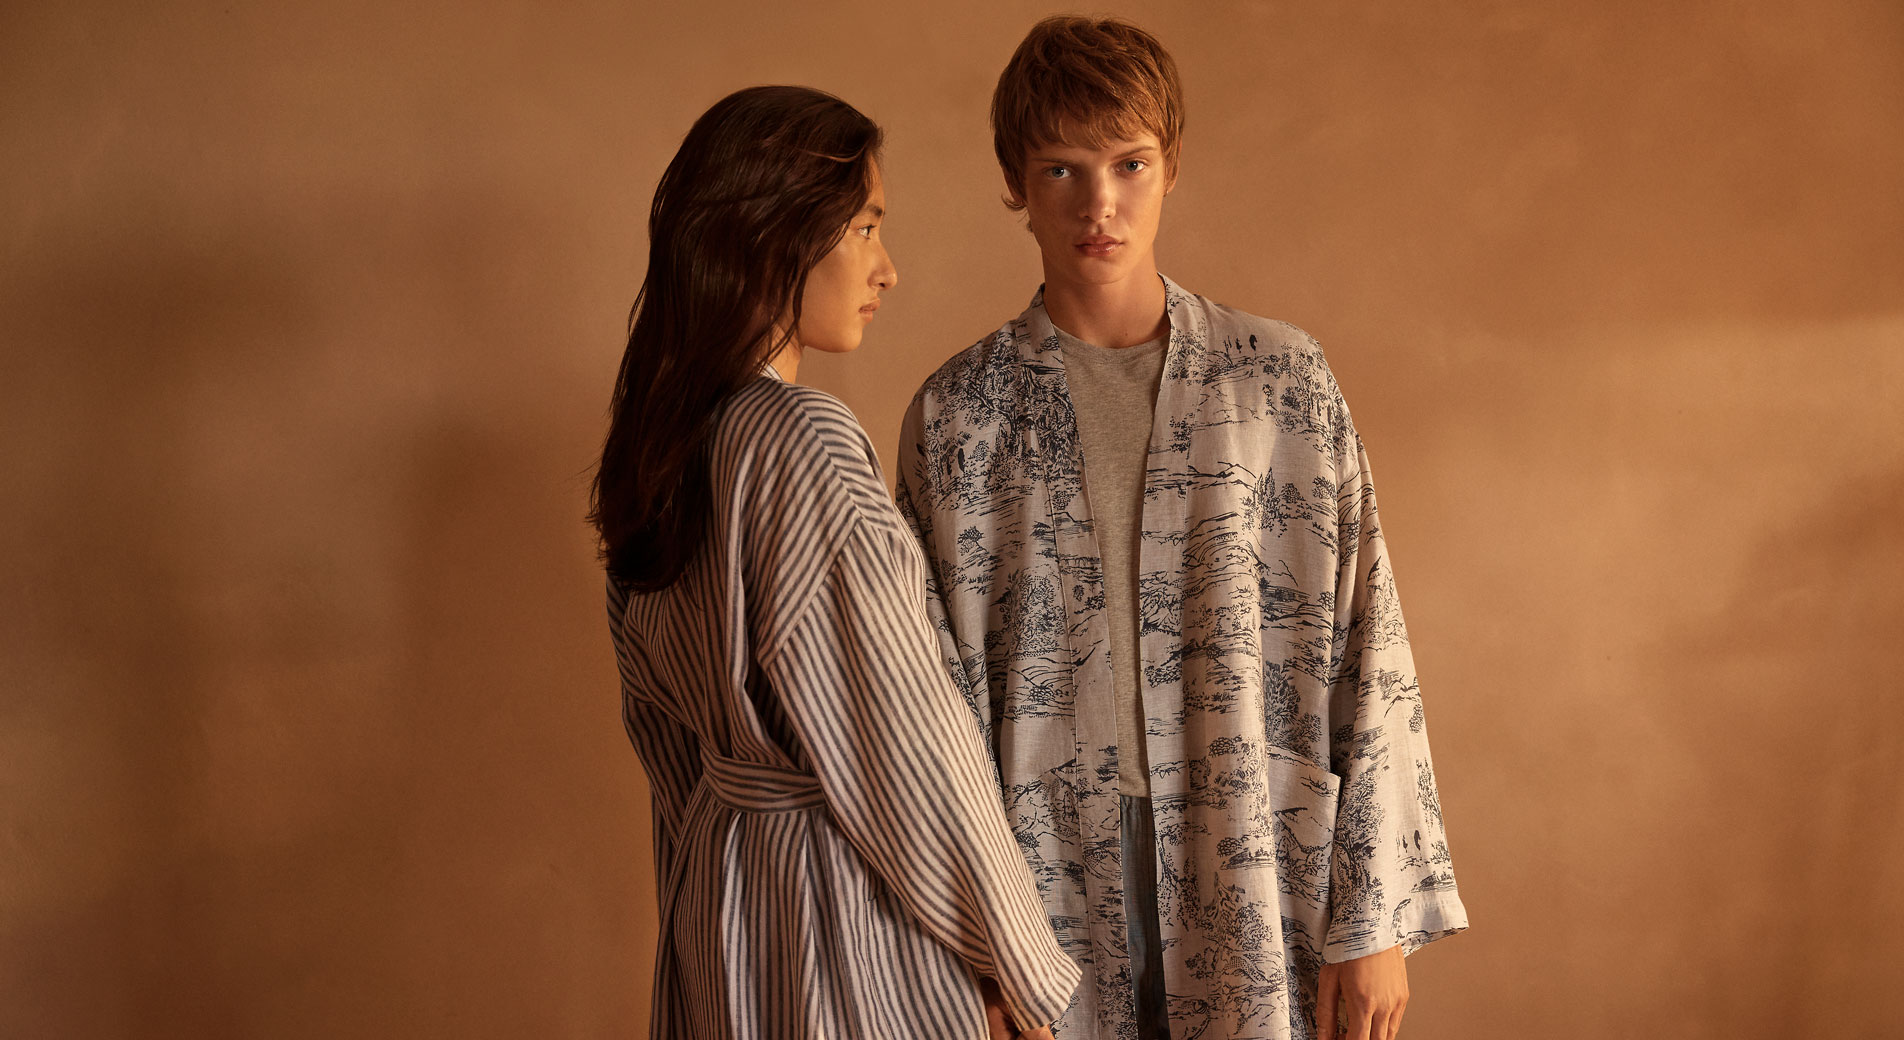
(1073, 539)
(1067, 522)
(1160, 553)
(1062, 516)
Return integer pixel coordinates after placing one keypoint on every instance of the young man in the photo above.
(1158, 577)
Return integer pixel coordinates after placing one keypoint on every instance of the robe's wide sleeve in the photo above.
(1392, 878)
(905, 776)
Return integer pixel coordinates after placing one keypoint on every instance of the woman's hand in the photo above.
(998, 1022)
(1372, 990)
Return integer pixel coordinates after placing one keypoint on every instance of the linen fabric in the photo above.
(832, 858)
(1114, 392)
(1296, 810)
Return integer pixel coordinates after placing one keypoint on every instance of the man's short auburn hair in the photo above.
(1087, 82)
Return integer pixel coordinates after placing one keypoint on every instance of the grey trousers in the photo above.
(1139, 838)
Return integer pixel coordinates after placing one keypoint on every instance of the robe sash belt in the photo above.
(756, 787)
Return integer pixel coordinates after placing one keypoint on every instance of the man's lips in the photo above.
(1096, 245)
(869, 308)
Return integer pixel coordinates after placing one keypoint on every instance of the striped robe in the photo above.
(832, 856)
(1297, 816)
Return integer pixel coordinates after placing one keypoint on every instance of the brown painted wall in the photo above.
(309, 722)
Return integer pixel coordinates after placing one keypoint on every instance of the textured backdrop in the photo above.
(309, 318)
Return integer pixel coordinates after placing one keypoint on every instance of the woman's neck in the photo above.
(787, 361)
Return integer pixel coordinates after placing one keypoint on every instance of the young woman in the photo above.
(831, 852)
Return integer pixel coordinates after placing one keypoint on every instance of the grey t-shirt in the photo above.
(1114, 392)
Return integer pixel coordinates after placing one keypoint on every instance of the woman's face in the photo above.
(843, 288)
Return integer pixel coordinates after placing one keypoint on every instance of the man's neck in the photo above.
(1117, 314)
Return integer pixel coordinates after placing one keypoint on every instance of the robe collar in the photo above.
(1037, 338)
(1044, 411)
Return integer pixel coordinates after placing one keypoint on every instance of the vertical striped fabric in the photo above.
(832, 854)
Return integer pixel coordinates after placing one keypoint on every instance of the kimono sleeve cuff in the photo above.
(1420, 920)
(1042, 1001)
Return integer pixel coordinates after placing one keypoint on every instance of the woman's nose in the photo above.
(885, 275)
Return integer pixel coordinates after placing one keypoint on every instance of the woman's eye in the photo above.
(866, 231)
(1055, 172)
(1133, 165)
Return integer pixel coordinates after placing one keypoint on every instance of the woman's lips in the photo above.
(867, 311)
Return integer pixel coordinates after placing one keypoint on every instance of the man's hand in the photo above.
(1372, 990)
(998, 1022)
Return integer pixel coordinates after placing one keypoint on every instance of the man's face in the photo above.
(1095, 211)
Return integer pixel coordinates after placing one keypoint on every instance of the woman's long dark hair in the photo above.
(761, 189)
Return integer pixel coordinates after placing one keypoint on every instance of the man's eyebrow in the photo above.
(1139, 150)
(878, 212)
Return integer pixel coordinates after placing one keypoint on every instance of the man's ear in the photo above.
(1014, 194)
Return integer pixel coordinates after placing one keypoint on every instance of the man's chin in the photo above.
(1090, 270)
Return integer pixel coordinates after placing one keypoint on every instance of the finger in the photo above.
(1395, 1019)
(1327, 993)
(1358, 1021)
(1378, 1025)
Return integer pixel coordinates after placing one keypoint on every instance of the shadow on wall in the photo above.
(1784, 835)
(204, 638)
(310, 596)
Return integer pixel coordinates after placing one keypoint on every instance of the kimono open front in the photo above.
(1295, 803)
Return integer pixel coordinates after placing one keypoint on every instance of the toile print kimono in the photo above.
(1296, 812)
